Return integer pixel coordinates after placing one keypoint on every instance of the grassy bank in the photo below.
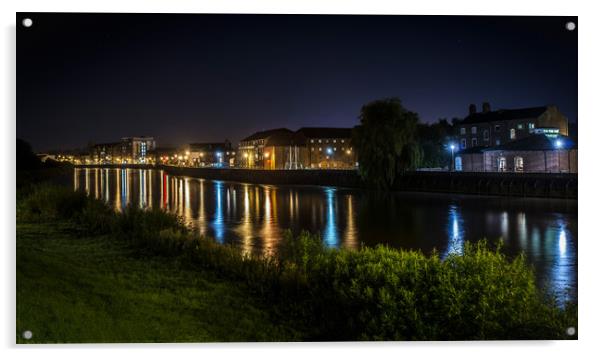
(313, 293)
(73, 287)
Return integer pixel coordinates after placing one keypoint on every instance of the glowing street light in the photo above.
(558, 144)
(266, 155)
(452, 147)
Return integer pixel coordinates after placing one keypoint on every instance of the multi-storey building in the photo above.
(328, 148)
(137, 149)
(209, 154)
(491, 128)
(310, 147)
(537, 153)
(107, 153)
(130, 150)
(272, 149)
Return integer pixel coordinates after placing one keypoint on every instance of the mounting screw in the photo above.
(570, 26)
(570, 331)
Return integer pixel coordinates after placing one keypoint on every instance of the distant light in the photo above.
(558, 143)
(266, 155)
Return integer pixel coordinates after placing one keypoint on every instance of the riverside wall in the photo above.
(479, 183)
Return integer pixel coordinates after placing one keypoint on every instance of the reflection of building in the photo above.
(491, 128)
(305, 148)
(329, 148)
(209, 154)
(535, 153)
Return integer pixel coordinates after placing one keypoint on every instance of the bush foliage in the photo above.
(369, 294)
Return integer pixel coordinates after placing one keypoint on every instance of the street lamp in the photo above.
(452, 147)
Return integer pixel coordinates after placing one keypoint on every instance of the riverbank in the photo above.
(76, 287)
(562, 186)
(369, 294)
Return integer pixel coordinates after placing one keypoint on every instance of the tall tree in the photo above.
(386, 142)
(433, 139)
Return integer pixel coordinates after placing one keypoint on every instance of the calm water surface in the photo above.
(254, 217)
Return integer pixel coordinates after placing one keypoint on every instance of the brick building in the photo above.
(535, 153)
(490, 128)
(309, 147)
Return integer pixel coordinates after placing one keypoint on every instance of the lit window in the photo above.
(312, 149)
(312, 140)
(473, 130)
(320, 140)
(343, 141)
(520, 127)
(531, 125)
(320, 149)
(501, 164)
(512, 134)
(497, 141)
(518, 164)
(334, 141)
(462, 131)
(458, 163)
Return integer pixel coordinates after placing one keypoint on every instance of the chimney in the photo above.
(486, 107)
(472, 109)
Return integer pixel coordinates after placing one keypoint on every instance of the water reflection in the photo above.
(455, 232)
(254, 217)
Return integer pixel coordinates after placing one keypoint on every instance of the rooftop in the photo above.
(504, 114)
(325, 132)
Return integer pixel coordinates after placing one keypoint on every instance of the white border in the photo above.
(590, 60)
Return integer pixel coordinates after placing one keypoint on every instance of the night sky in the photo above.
(84, 78)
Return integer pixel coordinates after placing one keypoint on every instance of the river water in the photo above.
(253, 217)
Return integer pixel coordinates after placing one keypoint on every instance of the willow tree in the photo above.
(386, 142)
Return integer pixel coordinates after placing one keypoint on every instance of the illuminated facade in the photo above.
(306, 148)
(208, 154)
(328, 148)
(538, 153)
(491, 128)
(130, 150)
(272, 150)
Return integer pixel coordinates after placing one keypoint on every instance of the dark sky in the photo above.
(85, 78)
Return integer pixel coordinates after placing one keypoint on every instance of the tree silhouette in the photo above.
(386, 142)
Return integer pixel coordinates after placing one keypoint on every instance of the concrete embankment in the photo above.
(480, 183)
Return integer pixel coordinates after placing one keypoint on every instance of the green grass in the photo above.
(74, 288)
